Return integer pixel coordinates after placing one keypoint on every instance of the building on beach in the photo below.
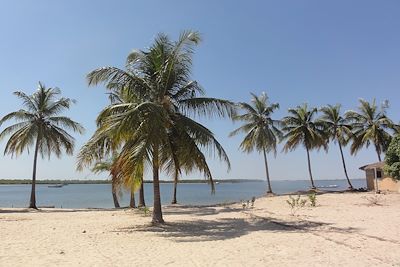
(377, 180)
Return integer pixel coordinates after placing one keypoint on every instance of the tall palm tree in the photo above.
(40, 125)
(300, 128)
(371, 126)
(106, 166)
(154, 128)
(262, 132)
(337, 129)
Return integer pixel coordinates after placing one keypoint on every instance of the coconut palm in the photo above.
(154, 128)
(40, 125)
(300, 128)
(262, 132)
(337, 129)
(105, 166)
(371, 126)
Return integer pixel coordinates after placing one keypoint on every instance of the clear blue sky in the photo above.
(297, 51)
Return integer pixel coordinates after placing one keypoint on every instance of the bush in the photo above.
(313, 199)
(296, 204)
(392, 159)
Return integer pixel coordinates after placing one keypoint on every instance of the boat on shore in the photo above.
(55, 186)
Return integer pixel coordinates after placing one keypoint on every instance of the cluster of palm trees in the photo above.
(367, 126)
(150, 123)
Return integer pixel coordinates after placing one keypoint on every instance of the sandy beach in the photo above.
(343, 230)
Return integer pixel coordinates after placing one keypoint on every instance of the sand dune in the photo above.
(342, 230)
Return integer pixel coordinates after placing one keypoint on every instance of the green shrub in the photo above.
(313, 199)
(295, 204)
(392, 159)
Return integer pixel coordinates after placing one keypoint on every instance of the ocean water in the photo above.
(99, 195)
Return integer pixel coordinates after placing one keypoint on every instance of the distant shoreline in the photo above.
(196, 181)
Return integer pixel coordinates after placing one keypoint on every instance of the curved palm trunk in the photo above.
(378, 151)
(157, 212)
(309, 169)
(115, 199)
(114, 194)
(141, 195)
(344, 167)
(32, 202)
(132, 200)
(175, 188)
(267, 172)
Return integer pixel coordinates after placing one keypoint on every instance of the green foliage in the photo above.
(40, 122)
(313, 199)
(392, 159)
(262, 132)
(301, 128)
(296, 204)
(371, 126)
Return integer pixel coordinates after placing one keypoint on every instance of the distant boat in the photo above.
(216, 182)
(55, 186)
(328, 186)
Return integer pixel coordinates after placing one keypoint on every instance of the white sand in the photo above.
(341, 231)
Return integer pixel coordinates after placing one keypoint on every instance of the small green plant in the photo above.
(295, 204)
(313, 199)
(145, 210)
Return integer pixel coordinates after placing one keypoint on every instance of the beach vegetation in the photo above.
(154, 126)
(262, 132)
(39, 124)
(295, 204)
(337, 129)
(301, 129)
(392, 158)
(371, 126)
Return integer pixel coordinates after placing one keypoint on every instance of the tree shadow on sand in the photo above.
(228, 228)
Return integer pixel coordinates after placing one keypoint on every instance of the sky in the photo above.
(319, 52)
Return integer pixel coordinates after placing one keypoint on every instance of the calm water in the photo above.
(99, 195)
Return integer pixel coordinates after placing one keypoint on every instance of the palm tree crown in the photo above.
(153, 125)
(41, 125)
(300, 128)
(370, 126)
(337, 129)
(261, 131)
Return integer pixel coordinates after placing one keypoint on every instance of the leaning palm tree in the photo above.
(300, 128)
(337, 129)
(105, 166)
(41, 126)
(371, 126)
(262, 132)
(154, 127)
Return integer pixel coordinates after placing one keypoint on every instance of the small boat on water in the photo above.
(55, 186)
(328, 186)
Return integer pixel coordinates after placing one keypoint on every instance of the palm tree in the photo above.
(105, 166)
(40, 124)
(337, 129)
(154, 127)
(371, 126)
(300, 128)
(262, 132)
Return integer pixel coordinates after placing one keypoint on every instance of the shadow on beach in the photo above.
(199, 230)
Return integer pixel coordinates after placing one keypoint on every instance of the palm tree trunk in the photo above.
(132, 203)
(141, 195)
(114, 194)
(115, 199)
(344, 167)
(157, 212)
(174, 195)
(175, 188)
(378, 152)
(32, 202)
(309, 169)
(267, 172)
